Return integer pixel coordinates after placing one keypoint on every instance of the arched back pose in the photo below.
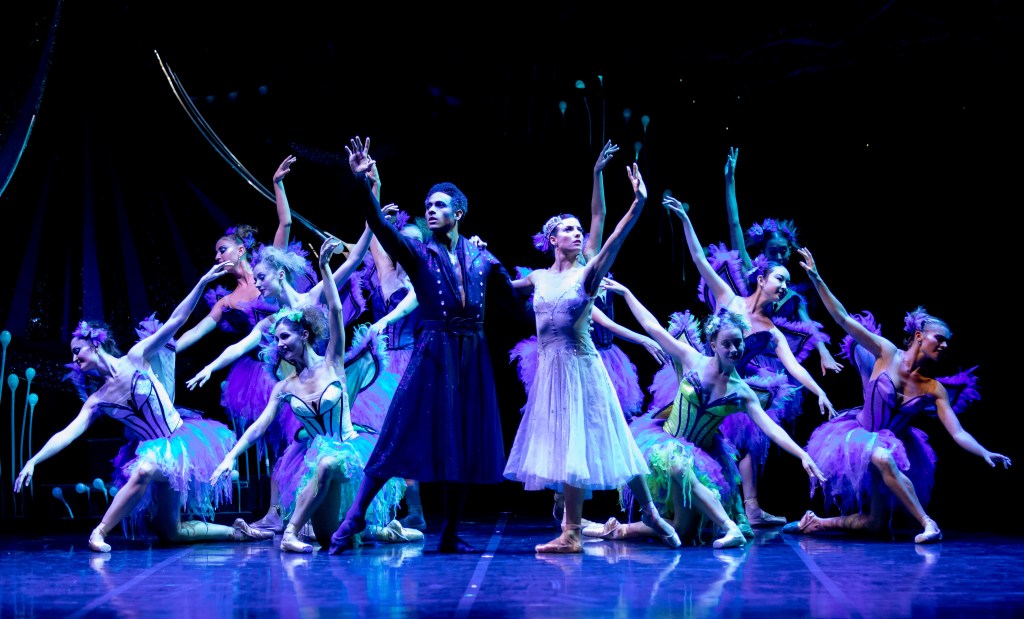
(692, 467)
(317, 478)
(573, 436)
(175, 450)
(874, 459)
(766, 350)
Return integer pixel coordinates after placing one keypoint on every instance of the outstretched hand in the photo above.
(215, 271)
(327, 250)
(828, 362)
(284, 168)
(639, 188)
(223, 468)
(808, 262)
(610, 284)
(199, 379)
(825, 406)
(25, 476)
(675, 206)
(478, 242)
(359, 159)
(812, 469)
(730, 162)
(993, 458)
(607, 151)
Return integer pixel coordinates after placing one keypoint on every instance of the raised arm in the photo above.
(347, 268)
(335, 354)
(732, 210)
(721, 290)
(874, 344)
(597, 268)
(394, 243)
(598, 208)
(155, 342)
(59, 441)
(284, 211)
(680, 350)
(230, 354)
(629, 335)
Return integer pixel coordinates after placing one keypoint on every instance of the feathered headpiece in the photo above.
(293, 315)
(540, 240)
(784, 227)
(94, 334)
(248, 241)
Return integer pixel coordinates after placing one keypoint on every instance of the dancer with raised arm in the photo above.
(573, 436)
(443, 425)
(693, 467)
(874, 458)
(174, 450)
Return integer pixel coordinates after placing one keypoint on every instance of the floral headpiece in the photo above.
(758, 266)
(248, 241)
(95, 335)
(293, 315)
(785, 227)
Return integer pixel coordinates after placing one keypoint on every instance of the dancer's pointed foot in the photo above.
(661, 526)
(566, 543)
(97, 540)
(931, 533)
(291, 543)
(759, 518)
(344, 537)
(244, 533)
(733, 537)
(809, 523)
(612, 529)
(395, 533)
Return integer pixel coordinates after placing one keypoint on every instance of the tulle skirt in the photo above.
(573, 431)
(296, 470)
(186, 459)
(670, 457)
(842, 449)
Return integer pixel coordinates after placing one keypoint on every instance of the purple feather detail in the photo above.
(962, 388)
(362, 339)
(148, 326)
(215, 294)
(77, 378)
(728, 265)
(540, 242)
(802, 336)
(526, 352)
(685, 324)
(867, 320)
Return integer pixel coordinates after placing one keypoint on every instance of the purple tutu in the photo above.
(296, 468)
(842, 450)
(187, 459)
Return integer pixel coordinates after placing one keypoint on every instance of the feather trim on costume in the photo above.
(215, 294)
(729, 267)
(962, 388)
(802, 336)
(684, 324)
(867, 320)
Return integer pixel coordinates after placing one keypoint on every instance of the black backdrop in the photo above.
(888, 131)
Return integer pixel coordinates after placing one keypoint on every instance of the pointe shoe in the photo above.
(760, 518)
(455, 546)
(733, 538)
(664, 530)
(344, 538)
(414, 520)
(291, 543)
(245, 533)
(395, 533)
(271, 522)
(612, 529)
(930, 535)
(809, 523)
(97, 541)
(566, 543)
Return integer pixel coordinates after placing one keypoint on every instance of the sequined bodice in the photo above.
(148, 412)
(562, 310)
(883, 409)
(327, 415)
(695, 417)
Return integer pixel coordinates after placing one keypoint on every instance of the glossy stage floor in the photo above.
(776, 575)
